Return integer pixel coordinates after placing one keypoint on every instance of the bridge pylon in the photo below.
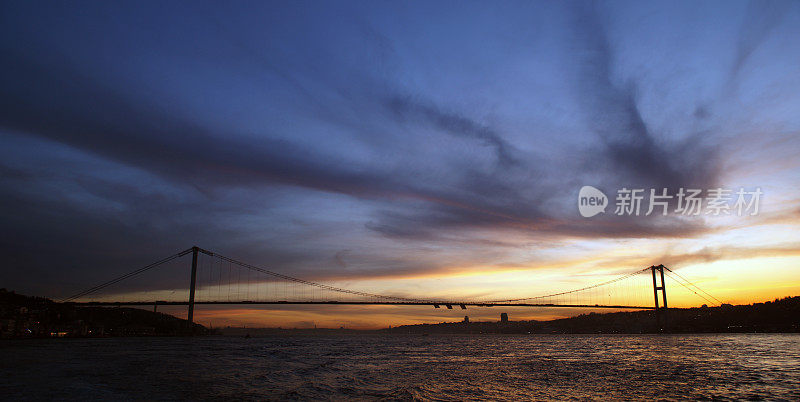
(660, 285)
(192, 284)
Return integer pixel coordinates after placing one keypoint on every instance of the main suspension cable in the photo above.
(126, 276)
(690, 289)
(697, 287)
(574, 290)
(305, 282)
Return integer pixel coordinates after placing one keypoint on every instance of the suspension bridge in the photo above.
(215, 279)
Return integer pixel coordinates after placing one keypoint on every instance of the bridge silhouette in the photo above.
(215, 279)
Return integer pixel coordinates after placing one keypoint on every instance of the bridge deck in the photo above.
(435, 304)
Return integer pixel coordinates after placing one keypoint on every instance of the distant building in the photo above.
(503, 317)
(466, 319)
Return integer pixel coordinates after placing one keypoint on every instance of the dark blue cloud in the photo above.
(286, 133)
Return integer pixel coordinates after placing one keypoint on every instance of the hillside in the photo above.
(781, 315)
(36, 317)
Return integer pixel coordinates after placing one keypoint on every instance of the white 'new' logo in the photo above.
(591, 201)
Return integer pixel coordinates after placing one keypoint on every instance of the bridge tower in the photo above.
(659, 285)
(192, 284)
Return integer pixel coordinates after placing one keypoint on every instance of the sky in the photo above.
(411, 148)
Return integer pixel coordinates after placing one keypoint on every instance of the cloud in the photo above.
(760, 20)
(86, 115)
(712, 254)
(457, 125)
(398, 175)
(638, 157)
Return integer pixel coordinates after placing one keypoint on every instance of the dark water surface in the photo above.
(378, 366)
